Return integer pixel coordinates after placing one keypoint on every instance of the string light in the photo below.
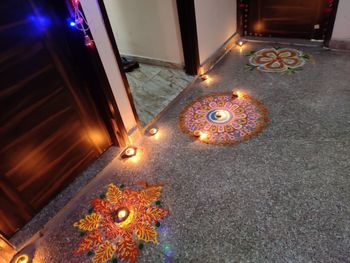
(81, 23)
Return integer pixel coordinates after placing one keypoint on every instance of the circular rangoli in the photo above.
(277, 60)
(223, 118)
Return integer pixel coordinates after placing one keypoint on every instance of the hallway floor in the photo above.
(282, 196)
(154, 87)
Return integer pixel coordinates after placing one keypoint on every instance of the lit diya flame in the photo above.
(153, 131)
(22, 259)
(204, 77)
(129, 152)
(122, 214)
(219, 114)
(237, 94)
(201, 135)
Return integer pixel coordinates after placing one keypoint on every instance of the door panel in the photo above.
(285, 18)
(50, 127)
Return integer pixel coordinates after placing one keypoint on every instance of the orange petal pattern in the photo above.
(89, 223)
(119, 239)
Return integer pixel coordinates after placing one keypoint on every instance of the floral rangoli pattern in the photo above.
(239, 118)
(108, 237)
(277, 60)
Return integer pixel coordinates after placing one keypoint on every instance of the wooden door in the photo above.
(286, 18)
(51, 128)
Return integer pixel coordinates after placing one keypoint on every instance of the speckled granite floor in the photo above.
(282, 196)
(154, 87)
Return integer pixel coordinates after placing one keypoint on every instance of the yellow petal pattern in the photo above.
(104, 252)
(147, 233)
(89, 223)
(113, 194)
(151, 193)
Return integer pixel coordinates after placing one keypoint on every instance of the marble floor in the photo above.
(154, 87)
(282, 196)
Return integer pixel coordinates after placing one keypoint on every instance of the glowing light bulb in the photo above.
(240, 43)
(72, 23)
(88, 41)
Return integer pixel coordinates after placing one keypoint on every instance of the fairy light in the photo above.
(240, 43)
(81, 23)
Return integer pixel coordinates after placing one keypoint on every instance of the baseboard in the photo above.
(220, 53)
(155, 62)
(339, 44)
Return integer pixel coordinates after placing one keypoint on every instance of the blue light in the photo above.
(72, 23)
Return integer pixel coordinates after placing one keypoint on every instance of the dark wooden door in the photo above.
(286, 18)
(51, 128)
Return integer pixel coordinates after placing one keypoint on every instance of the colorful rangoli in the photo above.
(118, 222)
(276, 59)
(223, 118)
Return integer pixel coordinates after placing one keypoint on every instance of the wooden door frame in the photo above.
(188, 27)
(187, 21)
(103, 97)
(241, 5)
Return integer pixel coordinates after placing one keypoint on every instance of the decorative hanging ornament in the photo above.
(81, 23)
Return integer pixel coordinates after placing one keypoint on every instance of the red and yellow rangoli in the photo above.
(118, 222)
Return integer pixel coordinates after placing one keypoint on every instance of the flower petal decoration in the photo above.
(89, 223)
(91, 240)
(277, 59)
(147, 233)
(104, 252)
(113, 194)
(119, 220)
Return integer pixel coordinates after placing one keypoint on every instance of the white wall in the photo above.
(146, 28)
(341, 30)
(216, 22)
(104, 48)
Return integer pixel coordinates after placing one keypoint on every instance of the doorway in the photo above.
(55, 118)
(149, 51)
(312, 19)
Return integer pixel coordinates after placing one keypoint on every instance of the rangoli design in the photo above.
(277, 59)
(223, 118)
(119, 222)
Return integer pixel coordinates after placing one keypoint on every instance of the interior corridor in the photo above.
(281, 196)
